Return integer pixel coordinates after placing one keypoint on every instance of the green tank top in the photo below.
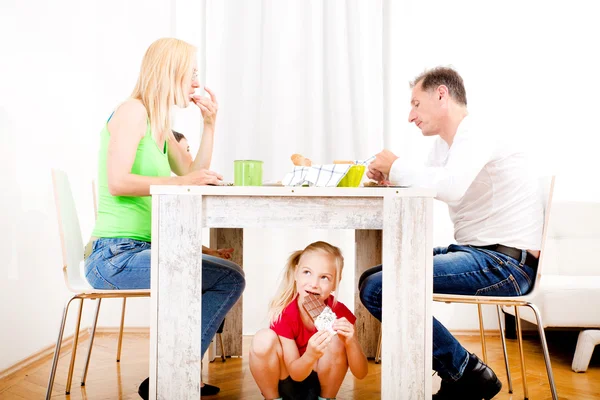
(129, 216)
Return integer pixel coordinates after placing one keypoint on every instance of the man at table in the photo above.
(496, 210)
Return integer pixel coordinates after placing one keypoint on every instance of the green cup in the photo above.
(353, 177)
(247, 173)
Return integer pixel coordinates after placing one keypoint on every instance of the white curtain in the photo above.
(295, 77)
(291, 77)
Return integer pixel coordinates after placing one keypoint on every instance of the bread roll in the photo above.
(300, 160)
(343, 162)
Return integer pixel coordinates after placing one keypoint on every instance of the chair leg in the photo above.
(74, 351)
(538, 317)
(220, 336)
(378, 352)
(510, 388)
(61, 331)
(121, 330)
(482, 334)
(89, 353)
(521, 351)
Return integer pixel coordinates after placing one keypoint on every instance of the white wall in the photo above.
(66, 64)
(529, 67)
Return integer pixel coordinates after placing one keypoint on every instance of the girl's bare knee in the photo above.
(337, 347)
(264, 342)
(335, 356)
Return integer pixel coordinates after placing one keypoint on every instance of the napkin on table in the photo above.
(326, 175)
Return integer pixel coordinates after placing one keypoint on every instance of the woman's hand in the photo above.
(344, 329)
(201, 177)
(208, 107)
(225, 254)
(317, 344)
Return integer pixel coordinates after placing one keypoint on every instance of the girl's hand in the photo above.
(208, 107)
(317, 344)
(344, 329)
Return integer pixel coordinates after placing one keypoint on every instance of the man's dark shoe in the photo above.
(209, 390)
(206, 390)
(144, 389)
(480, 382)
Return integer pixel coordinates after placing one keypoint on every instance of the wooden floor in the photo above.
(108, 379)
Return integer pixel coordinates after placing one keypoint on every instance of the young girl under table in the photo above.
(293, 360)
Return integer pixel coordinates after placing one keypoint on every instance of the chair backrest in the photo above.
(70, 232)
(95, 201)
(547, 191)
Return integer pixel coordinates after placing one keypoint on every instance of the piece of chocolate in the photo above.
(313, 305)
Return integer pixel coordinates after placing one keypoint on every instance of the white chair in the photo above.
(570, 288)
(516, 302)
(72, 251)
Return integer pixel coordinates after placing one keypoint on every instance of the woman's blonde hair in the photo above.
(166, 65)
(287, 289)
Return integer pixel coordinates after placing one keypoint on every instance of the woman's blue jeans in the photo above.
(458, 270)
(122, 263)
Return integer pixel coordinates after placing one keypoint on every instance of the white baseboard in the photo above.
(46, 352)
(115, 329)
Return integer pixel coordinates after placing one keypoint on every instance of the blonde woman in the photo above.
(292, 360)
(137, 149)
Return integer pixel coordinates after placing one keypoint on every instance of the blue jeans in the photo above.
(458, 270)
(123, 263)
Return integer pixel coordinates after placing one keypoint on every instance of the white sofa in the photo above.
(569, 295)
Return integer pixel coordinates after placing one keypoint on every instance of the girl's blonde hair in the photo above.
(287, 289)
(166, 65)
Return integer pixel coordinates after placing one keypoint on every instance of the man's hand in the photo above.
(379, 169)
(375, 175)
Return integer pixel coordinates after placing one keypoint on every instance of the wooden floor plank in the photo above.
(108, 379)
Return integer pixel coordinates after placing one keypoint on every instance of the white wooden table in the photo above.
(180, 212)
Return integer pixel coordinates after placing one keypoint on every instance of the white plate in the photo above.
(278, 184)
(385, 186)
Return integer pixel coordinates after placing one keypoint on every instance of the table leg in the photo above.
(176, 300)
(407, 297)
(368, 254)
(221, 238)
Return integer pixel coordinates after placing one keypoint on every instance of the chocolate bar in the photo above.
(313, 305)
(322, 315)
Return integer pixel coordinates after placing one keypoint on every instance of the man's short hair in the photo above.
(178, 136)
(448, 77)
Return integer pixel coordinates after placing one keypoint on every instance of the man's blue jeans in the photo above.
(125, 264)
(458, 270)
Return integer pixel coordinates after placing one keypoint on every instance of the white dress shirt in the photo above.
(491, 195)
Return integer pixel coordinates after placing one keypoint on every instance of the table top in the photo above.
(289, 191)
